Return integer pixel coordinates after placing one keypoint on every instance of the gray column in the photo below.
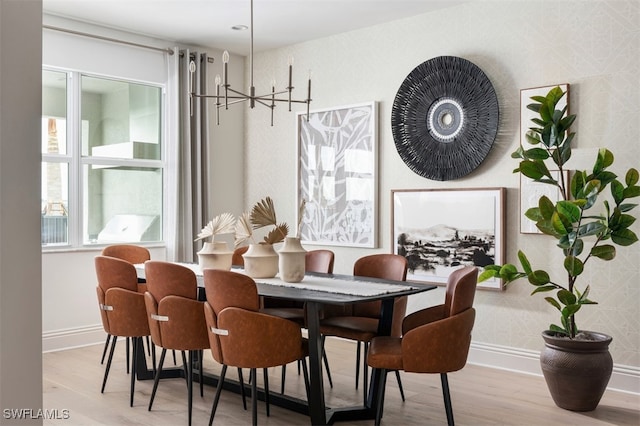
(20, 252)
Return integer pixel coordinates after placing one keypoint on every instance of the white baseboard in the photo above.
(72, 338)
(624, 378)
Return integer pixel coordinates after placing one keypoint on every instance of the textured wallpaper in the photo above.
(592, 45)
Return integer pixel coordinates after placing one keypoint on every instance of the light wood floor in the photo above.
(480, 395)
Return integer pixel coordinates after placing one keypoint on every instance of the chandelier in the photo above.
(231, 96)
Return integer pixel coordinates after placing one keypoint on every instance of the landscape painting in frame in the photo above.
(337, 165)
(441, 230)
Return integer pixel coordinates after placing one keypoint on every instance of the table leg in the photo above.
(317, 409)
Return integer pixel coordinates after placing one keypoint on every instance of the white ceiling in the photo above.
(208, 23)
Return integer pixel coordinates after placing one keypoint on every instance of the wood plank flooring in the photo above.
(480, 396)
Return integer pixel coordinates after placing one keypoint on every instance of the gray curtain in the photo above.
(192, 208)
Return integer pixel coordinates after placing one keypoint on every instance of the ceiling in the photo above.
(277, 23)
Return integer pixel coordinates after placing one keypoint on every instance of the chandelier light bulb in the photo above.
(225, 57)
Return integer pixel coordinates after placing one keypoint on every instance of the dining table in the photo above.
(317, 290)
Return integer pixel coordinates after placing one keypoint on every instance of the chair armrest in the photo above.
(422, 317)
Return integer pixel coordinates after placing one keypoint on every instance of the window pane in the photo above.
(54, 112)
(122, 204)
(55, 203)
(120, 119)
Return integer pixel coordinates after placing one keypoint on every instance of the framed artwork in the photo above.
(440, 230)
(526, 114)
(530, 193)
(337, 175)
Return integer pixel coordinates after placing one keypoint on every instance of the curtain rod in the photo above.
(165, 50)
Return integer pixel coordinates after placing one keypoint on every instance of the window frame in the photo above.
(76, 161)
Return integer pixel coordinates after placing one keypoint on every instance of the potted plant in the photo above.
(587, 227)
(216, 254)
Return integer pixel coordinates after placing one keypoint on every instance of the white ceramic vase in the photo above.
(292, 260)
(215, 255)
(260, 261)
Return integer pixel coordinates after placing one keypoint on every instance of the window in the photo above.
(102, 168)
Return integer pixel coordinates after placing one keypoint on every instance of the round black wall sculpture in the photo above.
(445, 118)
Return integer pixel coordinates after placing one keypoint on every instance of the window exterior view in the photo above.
(102, 165)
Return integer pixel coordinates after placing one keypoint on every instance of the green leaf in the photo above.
(569, 209)
(566, 297)
(538, 277)
(560, 224)
(570, 310)
(533, 138)
(534, 214)
(573, 265)
(543, 288)
(526, 265)
(604, 252)
(632, 191)
(591, 228)
(627, 207)
(617, 191)
(536, 154)
(558, 330)
(603, 160)
(577, 184)
(632, 176)
(518, 153)
(488, 274)
(534, 169)
(553, 302)
(624, 237)
(546, 207)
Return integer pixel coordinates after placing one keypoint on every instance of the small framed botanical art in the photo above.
(440, 230)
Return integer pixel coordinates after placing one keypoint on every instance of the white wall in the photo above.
(591, 45)
(20, 290)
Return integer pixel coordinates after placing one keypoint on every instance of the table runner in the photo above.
(338, 285)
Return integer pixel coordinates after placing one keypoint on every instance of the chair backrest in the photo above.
(461, 290)
(237, 259)
(388, 267)
(176, 317)
(239, 335)
(442, 345)
(319, 261)
(166, 278)
(122, 307)
(129, 252)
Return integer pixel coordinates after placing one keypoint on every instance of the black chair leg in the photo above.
(265, 373)
(190, 384)
(216, 398)
(358, 366)
(133, 368)
(185, 366)
(175, 362)
(200, 367)
(305, 371)
(127, 340)
(283, 377)
(153, 358)
(380, 397)
(157, 378)
(242, 392)
(447, 398)
(365, 372)
(400, 384)
(326, 364)
(106, 346)
(106, 371)
(148, 346)
(254, 397)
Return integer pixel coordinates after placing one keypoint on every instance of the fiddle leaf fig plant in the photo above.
(583, 232)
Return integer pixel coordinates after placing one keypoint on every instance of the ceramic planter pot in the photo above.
(292, 260)
(215, 255)
(261, 261)
(576, 371)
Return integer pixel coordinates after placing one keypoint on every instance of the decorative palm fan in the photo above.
(445, 118)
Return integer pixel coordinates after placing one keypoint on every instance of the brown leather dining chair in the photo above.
(176, 318)
(132, 254)
(122, 308)
(434, 340)
(241, 336)
(359, 321)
